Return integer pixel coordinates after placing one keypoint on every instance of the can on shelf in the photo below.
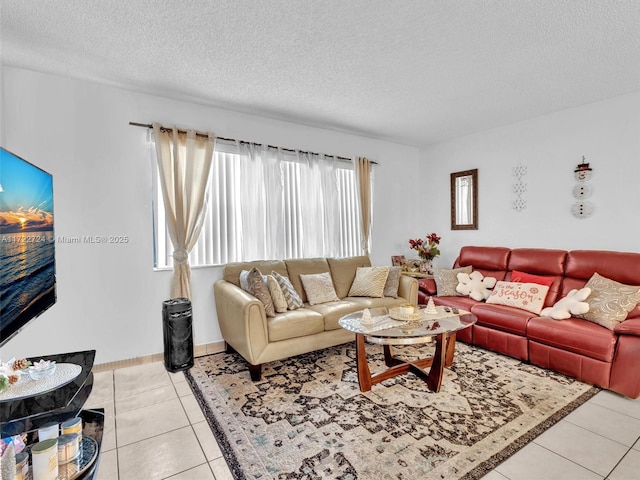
(68, 448)
(44, 460)
(22, 466)
(72, 426)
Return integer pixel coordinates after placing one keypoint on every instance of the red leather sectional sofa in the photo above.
(575, 347)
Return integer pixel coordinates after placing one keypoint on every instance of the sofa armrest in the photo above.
(428, 286)
(631, 326)
(408, 289)
(242, 319)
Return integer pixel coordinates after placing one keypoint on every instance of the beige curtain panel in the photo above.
(363, 176)
(184, 163)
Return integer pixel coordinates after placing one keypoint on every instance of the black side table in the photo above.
(26, 415)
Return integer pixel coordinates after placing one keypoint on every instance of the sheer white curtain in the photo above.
(261, 202)
(319, 205)
(289, 204)
(184, 163)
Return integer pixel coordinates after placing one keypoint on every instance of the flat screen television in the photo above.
(27, 243)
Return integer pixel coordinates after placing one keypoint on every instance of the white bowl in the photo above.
(40, 373)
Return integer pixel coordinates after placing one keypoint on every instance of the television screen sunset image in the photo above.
(27, 243)
(26, 199)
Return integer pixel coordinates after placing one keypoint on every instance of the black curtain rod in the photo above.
(165, 129)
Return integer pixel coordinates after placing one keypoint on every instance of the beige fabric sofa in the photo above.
(261, 339)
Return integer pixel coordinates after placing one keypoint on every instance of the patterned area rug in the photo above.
(307, 419)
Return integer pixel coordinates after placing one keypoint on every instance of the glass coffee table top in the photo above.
(386, 330)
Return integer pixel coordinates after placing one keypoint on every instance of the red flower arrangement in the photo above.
(427, 250)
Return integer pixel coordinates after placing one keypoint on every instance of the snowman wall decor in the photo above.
(583, 190)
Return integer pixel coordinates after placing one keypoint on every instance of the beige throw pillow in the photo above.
(610, 301)
(319, 288)
(392, 284)
(290, 294)
(447, 280)
(369, 282)
(279, 300)
(525, 296)
(261, 291)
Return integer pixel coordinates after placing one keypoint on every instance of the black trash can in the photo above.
(178, 335)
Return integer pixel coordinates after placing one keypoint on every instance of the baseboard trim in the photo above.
(198, 351)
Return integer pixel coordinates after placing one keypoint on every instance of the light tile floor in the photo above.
(154, 429)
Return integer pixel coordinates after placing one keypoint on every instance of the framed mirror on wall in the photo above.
(464, 200)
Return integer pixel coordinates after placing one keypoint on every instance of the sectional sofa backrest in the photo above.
(489, 261)
(569, 269)
(343, 271)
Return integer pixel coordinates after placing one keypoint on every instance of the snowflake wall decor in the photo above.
(519, 188)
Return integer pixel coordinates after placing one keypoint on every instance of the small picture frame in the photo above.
(398, 260)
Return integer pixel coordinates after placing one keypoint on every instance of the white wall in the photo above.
(607, 133)
(109, 297)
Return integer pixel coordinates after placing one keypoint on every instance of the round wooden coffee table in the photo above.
(440, 327)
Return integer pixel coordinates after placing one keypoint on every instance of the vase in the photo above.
(426, 267)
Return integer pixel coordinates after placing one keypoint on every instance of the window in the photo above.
(267, 203)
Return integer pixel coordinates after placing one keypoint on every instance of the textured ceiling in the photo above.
(414, 72)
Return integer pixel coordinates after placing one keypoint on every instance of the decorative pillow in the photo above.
(369, 282)
(526, 296)
(523, 277)
(475, 285)
(279, 300)
(573, 304)
(447, 280)
(261, 291)
(244, 281)
(610, 301)
(290, 294)
(319, 288)
(392, 284)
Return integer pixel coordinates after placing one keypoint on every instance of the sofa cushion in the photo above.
(290, 294)
(305, 266)
(526, 296)
(369, 282)
(475, 285)
(369, 302)
(294, 323)
(574, 335)
(334, 311)
(573, 304)
(461, 303)
(524, 277)
(537, 261)
(393, 282)
(447, 280)
(540, 262)
(231, 271)
(491, 258)
(490, 261)
(244, 281)
(319, 288)
(553, 282)
(261, 291)
(277, 295)
(501, 317)
(610, 302)
(343, 272)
